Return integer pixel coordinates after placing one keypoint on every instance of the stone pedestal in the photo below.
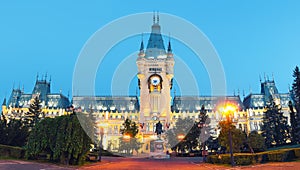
(159, 150)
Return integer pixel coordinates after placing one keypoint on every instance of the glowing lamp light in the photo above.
(228, 108)
(126, 137)
(180, 137)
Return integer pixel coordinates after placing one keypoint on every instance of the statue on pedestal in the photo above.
(158, 129)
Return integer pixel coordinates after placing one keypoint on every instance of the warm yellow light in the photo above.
(180, 137)
(227, 108)
(126, 137)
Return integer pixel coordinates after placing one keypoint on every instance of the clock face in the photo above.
(155, 81)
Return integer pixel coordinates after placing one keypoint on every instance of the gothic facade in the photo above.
(155, 72)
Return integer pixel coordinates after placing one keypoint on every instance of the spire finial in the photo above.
(169, 47)
(46, 75)
(153, 17)
(142, 44)
(272, 77)
(4, 102)
(259, 78)
(37, 76)
(157, 17)
(141, 53)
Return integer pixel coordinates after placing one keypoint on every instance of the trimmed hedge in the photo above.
(11, 152)
(282, 155)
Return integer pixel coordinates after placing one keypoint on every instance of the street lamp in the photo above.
(228, 110)
(100, 143)
(180, 137)
(126, 137)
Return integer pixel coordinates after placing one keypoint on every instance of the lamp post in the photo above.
(100, 143)
(230, 141)
(127, 139)
(228, 110)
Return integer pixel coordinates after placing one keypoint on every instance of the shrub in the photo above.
(282, 155)
(245, 159)
(11, 152)
(261, 158)
(297, 152)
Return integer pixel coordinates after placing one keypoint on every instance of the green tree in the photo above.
(185, 135)
(12, 132)
(275, 128)
(62, 137)
(34, 114)
(129, 141)
(295, 117)
(205, 134)
(238, 136)
(294, 124)
(256, 141)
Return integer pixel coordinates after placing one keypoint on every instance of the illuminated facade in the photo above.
(155, 72)
(52, 104)
(255, 103)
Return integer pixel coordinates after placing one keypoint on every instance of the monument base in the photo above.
(159, 150)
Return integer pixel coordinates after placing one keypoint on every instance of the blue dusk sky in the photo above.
(252, 38)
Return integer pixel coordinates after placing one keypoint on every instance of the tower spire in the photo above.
(142, 53)
(157, 17)
(4, 102)
(46, 75)
(142, 46)
(169, 50)
(169, 47)
(142, 43)
(259, 78)
(154, 17)
(155, 47)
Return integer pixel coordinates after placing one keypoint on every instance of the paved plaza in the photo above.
(118, 163)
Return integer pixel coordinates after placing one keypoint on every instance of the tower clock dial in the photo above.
(155, 80)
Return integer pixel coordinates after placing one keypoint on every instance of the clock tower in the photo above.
(155, 77)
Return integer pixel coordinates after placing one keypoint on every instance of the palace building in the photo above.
(155, 72)
(52, 104)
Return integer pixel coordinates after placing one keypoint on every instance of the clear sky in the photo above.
(251, 37)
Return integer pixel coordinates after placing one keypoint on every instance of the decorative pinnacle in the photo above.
(142, 43)
(169, 47)
(153, 17)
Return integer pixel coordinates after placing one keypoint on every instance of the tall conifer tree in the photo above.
(295, 116)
